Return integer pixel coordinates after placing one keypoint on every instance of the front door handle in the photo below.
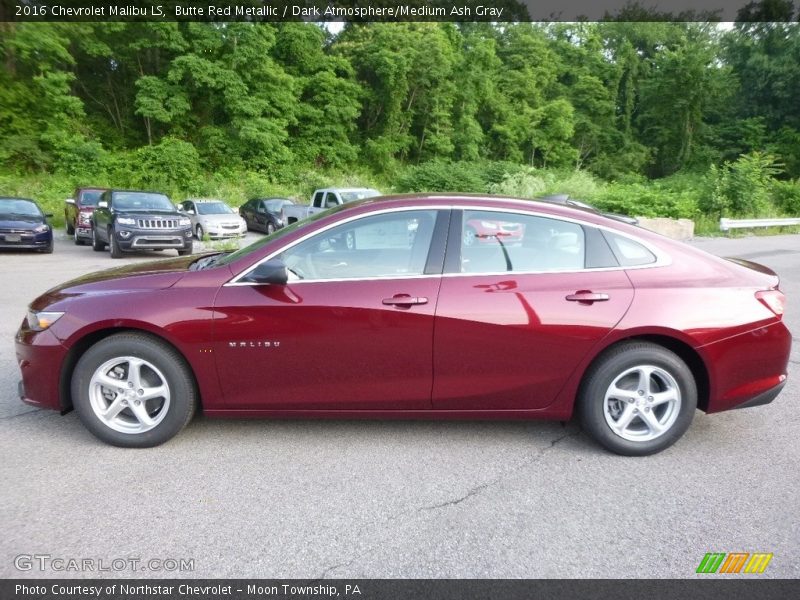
(404, 300)
(587, 297)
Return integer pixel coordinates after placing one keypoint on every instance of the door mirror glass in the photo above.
(272, 271)
(70, 201)
(102, 204)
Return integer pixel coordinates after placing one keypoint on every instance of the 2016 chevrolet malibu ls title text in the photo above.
(573, 313)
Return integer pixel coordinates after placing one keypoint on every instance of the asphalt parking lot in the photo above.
(349, 499)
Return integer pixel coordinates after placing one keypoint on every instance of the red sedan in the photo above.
(380, 309)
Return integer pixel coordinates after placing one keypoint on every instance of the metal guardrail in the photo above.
(728, 224)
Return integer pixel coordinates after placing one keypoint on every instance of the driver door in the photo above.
(351, 330)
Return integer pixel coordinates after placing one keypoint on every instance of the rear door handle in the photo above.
(587, 297)
(404, 300)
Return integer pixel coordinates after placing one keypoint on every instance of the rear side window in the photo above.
(629, 253)
(496, 242)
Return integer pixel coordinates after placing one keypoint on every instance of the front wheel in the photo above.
(132, 390)
(199, 232)
(114, 245)
(637, 399)
(185, 252)
(70, 226)
(97, 245)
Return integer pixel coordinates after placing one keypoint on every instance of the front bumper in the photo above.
(84, 232)
(130, 239)
(40, 357)
(26, 241)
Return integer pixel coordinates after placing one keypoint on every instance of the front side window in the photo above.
(91, 197)
(496, 242)
(388, 245)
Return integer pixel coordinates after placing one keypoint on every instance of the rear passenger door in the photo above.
(523, 299)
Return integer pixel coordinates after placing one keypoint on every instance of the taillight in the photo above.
(773, 300)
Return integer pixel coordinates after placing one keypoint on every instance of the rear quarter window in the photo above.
(628, 252)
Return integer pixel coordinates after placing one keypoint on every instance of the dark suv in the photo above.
(78, 213)
(129, 220)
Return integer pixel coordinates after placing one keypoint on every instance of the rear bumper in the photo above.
(748, 369)
(763, 397)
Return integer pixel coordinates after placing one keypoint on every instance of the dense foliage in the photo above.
(648, 117)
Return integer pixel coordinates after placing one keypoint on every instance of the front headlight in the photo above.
(184, 221)
(126, 221)
(40, 228)
(39, 321)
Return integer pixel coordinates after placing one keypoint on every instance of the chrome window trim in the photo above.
(662, 259)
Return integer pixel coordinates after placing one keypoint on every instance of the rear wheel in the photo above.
(637, 399)
(97, 245)
(133, 390)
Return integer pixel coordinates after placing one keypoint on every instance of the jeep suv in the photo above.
(78, 213)
(127, 221)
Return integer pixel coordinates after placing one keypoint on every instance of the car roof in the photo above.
(17, 198)
(346, 189)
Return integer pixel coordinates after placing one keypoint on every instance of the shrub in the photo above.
(742, 187)
(441, 176)
(786, 196)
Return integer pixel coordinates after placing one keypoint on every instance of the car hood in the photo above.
(19, 222)
(158, 274)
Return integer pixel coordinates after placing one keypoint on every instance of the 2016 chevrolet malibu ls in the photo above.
(384, 308)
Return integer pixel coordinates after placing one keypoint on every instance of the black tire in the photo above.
(199, 232)
(178, 378)
(609, 368)
(78, 241)
(70, 228)
(47, 249)
(270, 228)
(97, 245)
(185, 252)
(113, 245)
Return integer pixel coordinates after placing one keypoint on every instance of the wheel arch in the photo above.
(82, 344)
(683, 350)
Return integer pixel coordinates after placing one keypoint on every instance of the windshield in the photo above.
(358, 195)
(15, 206)
(213, 208)
(90, 197)
(277, 205)
(255, 246)
(141, 201)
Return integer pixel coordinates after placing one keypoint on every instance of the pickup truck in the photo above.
(78, 213)
(324, 199)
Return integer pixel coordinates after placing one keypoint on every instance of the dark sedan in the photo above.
(264, 214)
(379, 308)
(24, 226)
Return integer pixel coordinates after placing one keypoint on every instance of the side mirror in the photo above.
(102, 204)
(273, 271)
(70, 201)
(189, 212)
